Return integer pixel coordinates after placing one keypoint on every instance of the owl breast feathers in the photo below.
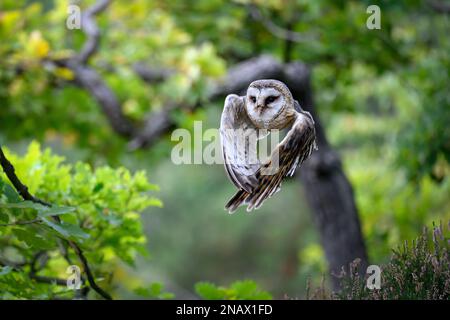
(268, 105)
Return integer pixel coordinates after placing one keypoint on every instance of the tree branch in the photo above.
(88, 79)
(151, 75)
(242, 74)
(157, 124)
(19, 223)
(18, 185)
(42, 257)
(9, 170)
(49, 280)
(439, 6)
(9, 263)
(90, 28)
(274, 29)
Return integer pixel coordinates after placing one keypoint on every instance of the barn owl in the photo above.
(268, 105)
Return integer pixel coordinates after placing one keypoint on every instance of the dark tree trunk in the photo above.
(327, 189)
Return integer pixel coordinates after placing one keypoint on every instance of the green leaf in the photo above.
(43, 211)
(65, 229)
(154, 291)
(55, 211)
(98, 187)
(5, 270)
(209, 291)
(4, 218)
(24, 205)
(241, 290)
(32, 239)
(154, 202)
(10, 193)
(248, 290)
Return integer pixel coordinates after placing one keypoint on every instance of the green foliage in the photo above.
(155, 291)
(98, 208)
(392, 209)
(239, 290)
(16, 284)
(42, 97)
(424, 138)
(382, 96)
(420, 271)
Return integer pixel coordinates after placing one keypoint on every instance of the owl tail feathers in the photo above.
(236, 201)
(252, 200)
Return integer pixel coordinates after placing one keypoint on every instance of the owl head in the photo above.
(266, 101)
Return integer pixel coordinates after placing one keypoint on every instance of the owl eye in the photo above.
(253, 99)
(271, 99)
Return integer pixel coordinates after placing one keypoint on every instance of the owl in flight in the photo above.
(268, 105)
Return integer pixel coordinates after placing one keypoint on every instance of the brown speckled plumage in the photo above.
(253, 113)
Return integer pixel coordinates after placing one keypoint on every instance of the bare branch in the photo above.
(242, 74)
(274, 29)
(157, 124)
(10, 263)
(49, 280)
(87, 78)
(151, 75)
(9, 170)
(37, 263)
(88, 271)
(19, 223)
(18, 185)
(90, 28)
(439, 6)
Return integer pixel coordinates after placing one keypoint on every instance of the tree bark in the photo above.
(327, 189)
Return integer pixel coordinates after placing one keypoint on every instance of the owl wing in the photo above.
(239, 140)
(295, 148)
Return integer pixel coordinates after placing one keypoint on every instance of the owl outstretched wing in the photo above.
(295, 148)
(239, 143)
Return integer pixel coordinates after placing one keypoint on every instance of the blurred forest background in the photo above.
(106, 98)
